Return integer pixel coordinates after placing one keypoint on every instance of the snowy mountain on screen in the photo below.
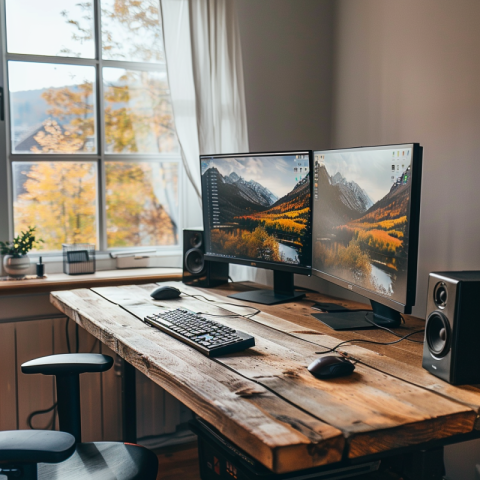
(251, 190)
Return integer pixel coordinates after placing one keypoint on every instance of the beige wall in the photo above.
(287, 68)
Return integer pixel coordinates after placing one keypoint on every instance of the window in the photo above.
(91, 146)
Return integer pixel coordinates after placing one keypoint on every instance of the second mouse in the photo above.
(331, 367)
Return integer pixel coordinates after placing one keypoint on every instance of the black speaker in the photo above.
(452, 329)
(196, 270)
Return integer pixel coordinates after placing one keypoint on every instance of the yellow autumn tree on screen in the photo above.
(60, 198)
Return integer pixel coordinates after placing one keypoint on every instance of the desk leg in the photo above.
(129, 398)
(425, 465)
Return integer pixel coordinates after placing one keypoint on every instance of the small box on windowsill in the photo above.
(78, 258)
(138, 259)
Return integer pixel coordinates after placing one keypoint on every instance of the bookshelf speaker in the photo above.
(452, 328)
(197, 271)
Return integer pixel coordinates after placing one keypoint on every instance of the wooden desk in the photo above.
(264, 400)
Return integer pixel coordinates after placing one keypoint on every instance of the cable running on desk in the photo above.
(361, 340)
(250, 315)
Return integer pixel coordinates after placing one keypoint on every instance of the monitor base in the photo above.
(355, 320)
(267, 297)
(344, 320)
(283, 291)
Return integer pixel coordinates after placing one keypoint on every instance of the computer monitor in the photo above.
(366, 207)
(257, 212)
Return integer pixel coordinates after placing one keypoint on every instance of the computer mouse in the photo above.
(331, 367)
(165, 293)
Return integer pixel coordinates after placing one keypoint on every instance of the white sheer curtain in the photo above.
(204, 64)
(176, 28)
(218, 75)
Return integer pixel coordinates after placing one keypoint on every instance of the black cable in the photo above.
(231, 279)
(67, 336)
(225, 303)
(224, 316)
(361, 340)
(51, 424)
(77, 339)
(391, 331)
(93, 346)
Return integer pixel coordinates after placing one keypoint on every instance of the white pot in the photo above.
(16, 267)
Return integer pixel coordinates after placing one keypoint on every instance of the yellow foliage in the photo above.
(135, 217)
(60, 199)
(256, 245)
(350, 259)
(380, 241)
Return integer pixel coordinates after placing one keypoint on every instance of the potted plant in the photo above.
(16, 261)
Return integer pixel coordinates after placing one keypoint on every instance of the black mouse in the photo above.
(331, 367)
(165, 293)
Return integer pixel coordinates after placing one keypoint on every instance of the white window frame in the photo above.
(7, 157)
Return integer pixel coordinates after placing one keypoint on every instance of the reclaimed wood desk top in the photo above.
(264, 399)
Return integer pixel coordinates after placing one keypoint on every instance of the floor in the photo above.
(178, 463)
(181, 463)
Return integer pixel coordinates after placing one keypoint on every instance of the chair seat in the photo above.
(68, 363)
(103, 461)
(35, 446)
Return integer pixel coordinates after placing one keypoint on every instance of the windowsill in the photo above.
(103, 261)
(60, 281)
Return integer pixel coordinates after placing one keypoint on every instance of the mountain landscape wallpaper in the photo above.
(360, 226)
(259, 208)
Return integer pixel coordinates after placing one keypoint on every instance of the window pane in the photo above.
(50, 27)
(138, 112)
(132, 31)
(59, 198)
(52, 108)
(142, 204)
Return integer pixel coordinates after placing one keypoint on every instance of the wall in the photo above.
(287, 70)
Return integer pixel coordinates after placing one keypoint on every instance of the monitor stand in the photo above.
(283, 291)
(355, 320)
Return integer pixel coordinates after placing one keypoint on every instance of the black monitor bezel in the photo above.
(414, 226)
(259, 263)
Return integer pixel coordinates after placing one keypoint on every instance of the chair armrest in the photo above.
(69, 363)
(35, 446)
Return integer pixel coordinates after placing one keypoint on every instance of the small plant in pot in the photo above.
(16, 261)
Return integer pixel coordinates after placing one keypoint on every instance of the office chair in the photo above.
(60, 454)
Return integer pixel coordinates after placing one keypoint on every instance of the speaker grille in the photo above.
(440, 295)
(437, 333)
(196, 240)
(194, 261)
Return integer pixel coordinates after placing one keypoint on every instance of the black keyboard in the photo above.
(208, 337)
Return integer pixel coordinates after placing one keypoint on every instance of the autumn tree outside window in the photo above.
(91, 145)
